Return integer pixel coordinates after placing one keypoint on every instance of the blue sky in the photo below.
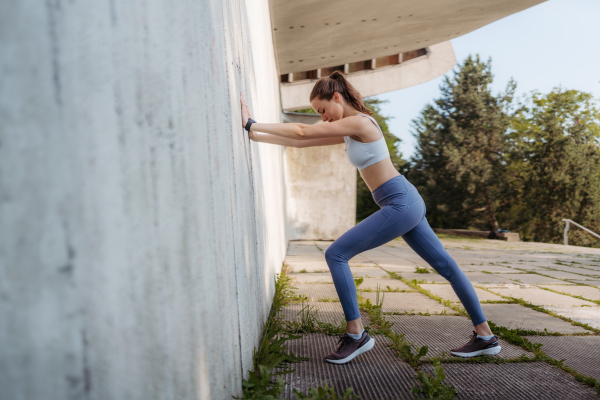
(556, 43)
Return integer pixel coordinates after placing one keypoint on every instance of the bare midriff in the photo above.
(379, 173)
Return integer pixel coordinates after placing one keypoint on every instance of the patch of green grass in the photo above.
(271, 352)
(325, 392)
(443, 236)
(486, 272)
(328, 300)
(303, 271)
(497, 302)
(420, 270)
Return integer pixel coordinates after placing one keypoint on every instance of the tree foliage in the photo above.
(555, 166)
(461, 153)
(485, 161)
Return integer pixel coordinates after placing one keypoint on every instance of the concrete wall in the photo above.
(139, 228)
(321, 188)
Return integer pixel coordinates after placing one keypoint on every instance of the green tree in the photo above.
(460, 165)
(555, 166)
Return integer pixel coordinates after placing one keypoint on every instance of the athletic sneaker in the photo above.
(478, 346)
(349, 348)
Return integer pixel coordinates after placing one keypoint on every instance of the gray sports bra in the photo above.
(361, 155)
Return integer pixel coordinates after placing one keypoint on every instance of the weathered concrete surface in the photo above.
(439, 60)
(140, 229)
(321, 192)
(447, 293)
(310, 34)
(583, 351)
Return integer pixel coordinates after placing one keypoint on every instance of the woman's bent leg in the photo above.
(423, 240)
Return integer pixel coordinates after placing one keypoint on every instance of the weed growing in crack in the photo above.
(328, 300)
(420, 270)
(433, 386)
(404, 350)
(309, 323)
(378, 322)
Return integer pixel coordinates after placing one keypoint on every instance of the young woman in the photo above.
(402, 210)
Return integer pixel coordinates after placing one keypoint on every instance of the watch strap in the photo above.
(249, 124)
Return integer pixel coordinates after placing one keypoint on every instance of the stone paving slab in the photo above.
(447, 293)
(540, 297)
(323, 312)
(491, 268)
(585, 315)
(371, 283)
(308, 266)
(515, 316)
(563, 275)
(377, 374)
(430, 277)
(306, 278)
(313, 256)
(362, 264)
(578, 270)
(590, 282)
(530, 279)
(481, 277)
(581, 353)
(316, 292)
(527, 267)
(370, 271)
(514, 381)
(577, 290)
(401, 269)
(443, 333)
(409, 302)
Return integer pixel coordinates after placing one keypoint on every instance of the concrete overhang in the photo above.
(440, 59)
(312, 34)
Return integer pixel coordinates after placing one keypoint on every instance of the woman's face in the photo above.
(330, 110)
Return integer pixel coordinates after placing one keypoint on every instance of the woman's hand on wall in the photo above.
(245, 110)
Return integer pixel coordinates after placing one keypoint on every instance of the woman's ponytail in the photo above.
(337, 82)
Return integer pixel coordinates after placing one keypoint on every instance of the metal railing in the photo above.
(568, 221)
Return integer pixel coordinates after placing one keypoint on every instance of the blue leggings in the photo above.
(402, 214)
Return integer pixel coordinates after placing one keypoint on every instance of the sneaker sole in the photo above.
(491, 351)
(363, 349)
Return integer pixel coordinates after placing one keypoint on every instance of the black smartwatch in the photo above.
(249, 124)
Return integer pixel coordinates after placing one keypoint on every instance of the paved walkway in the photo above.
(563, 280)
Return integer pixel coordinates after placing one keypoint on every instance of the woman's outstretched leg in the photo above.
(426, 244)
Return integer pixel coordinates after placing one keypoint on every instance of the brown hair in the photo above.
(337, 82)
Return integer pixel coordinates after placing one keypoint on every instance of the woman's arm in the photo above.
(350, 126)
(273, 139)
